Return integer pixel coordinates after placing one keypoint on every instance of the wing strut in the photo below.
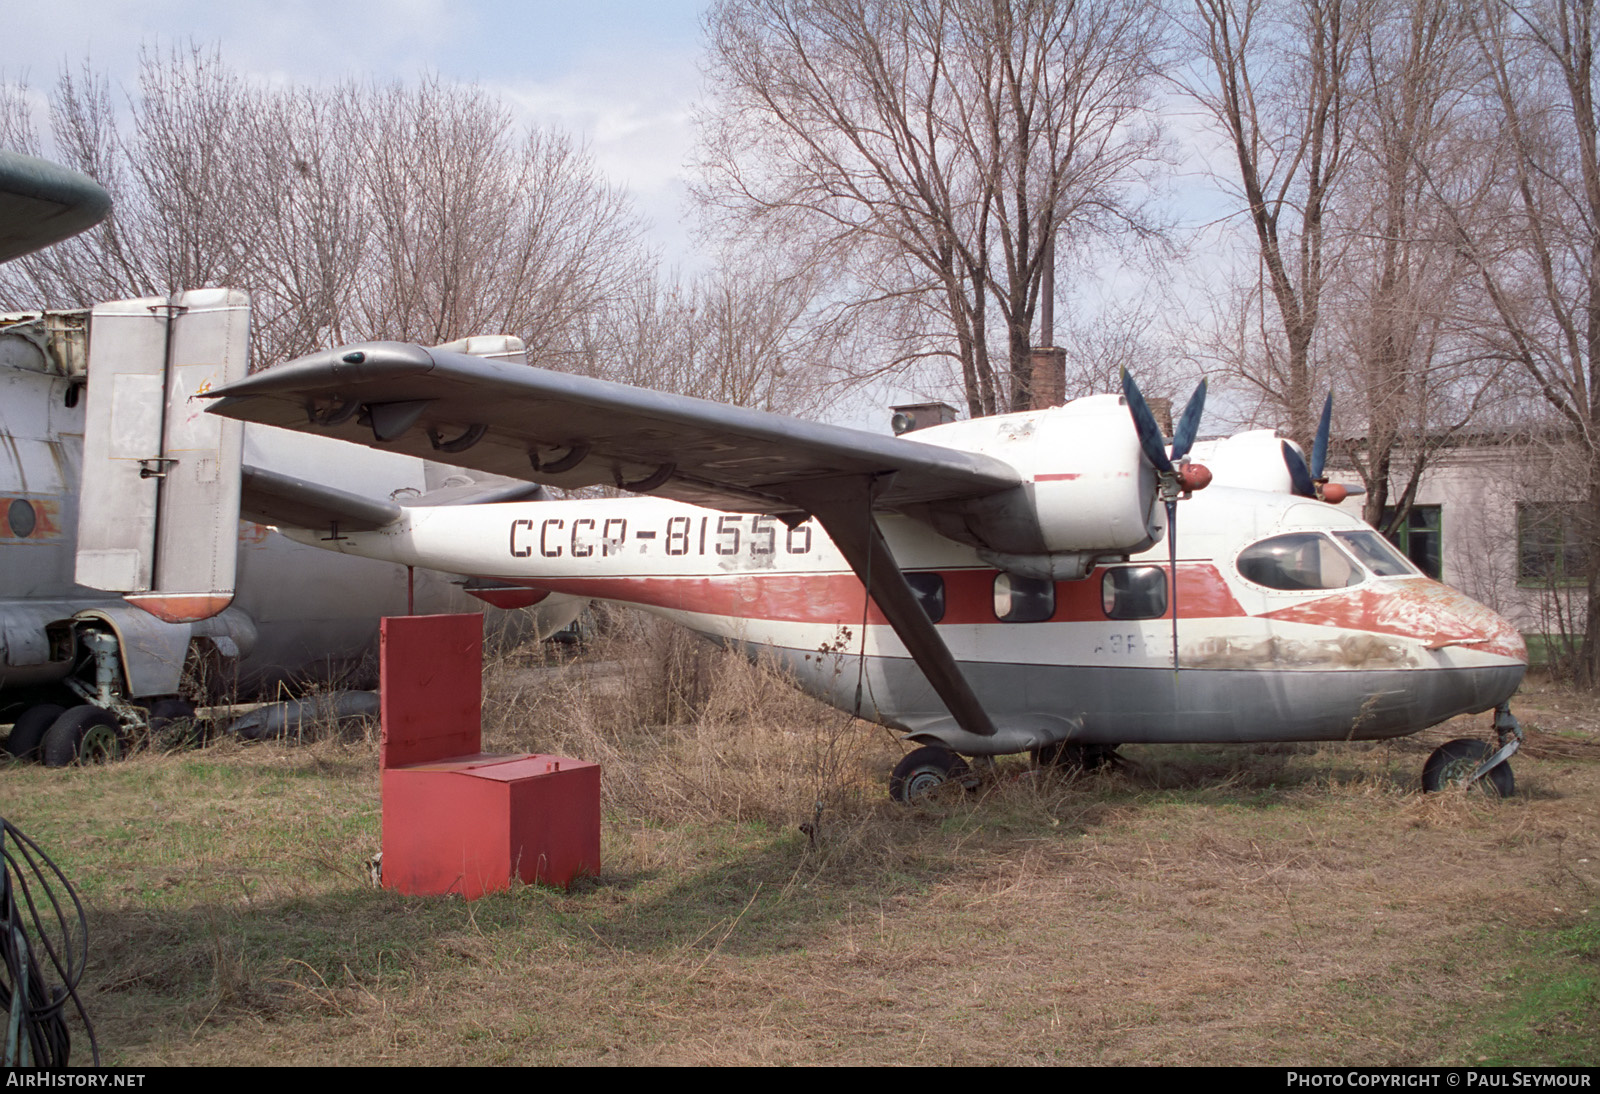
(844, 506)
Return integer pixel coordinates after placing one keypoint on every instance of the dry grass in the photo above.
(688, 733)
(1289, 904)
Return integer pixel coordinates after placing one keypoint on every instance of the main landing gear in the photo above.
(57, 736)
(925, 769)
(1064, 756)
(1469, 762)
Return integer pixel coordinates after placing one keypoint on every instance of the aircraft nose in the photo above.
(1485, 653)
(1445, 618)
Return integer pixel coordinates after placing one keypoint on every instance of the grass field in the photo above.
(1271, 905)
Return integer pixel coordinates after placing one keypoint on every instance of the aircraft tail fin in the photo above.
(158, 515)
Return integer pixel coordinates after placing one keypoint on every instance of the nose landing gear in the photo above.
(1468, 762)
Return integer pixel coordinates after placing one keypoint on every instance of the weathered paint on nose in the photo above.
(1435, 615)
(1466, 657)
(1444, 617)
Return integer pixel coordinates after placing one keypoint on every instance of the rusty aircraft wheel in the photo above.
(1453, 763)
(924, 770)
(30, 729)
(85, 734)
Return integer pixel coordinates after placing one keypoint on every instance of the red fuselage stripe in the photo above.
(838, 597)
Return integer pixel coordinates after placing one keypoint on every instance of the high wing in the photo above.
(41, 204)
(573, 431)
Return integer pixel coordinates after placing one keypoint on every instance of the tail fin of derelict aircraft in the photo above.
(158, 516)
(164, 484)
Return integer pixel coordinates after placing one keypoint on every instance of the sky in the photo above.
(621, 74)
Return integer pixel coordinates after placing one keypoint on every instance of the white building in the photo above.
(1499, 520)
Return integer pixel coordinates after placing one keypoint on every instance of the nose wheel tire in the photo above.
(925, 770)
(85, 734)
(1454, 763)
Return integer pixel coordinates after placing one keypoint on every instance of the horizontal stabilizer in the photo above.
(270, 498)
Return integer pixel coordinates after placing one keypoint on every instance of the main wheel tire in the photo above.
(172, 723)
(85, 734)
(1454, 762)
(1065, 756)
(29, 730)
(924, 770)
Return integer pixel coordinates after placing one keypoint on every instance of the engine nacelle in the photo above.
(1093, 489)
(1091, 492)
(1247, 461)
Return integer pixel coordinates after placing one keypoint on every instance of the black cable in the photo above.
(43, 1039)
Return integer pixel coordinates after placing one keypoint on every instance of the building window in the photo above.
(1550, 547)
(1420, 538)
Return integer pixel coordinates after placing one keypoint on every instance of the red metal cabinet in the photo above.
(454, 819)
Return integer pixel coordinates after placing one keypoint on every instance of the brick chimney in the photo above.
(1049, 376)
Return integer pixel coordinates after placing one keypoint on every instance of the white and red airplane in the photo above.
(989, 586)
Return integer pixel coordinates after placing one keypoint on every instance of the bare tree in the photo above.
(1278, 83)
(351, 211)
(311, 249)
(924, 151)
(743, 333)
(476, 229)
(1119, 336)
(1538, 263)
(1401, 336)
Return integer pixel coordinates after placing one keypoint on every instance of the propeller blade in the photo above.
(1172, 573)
(1150, 439)
(1319, 448)
(1189, 425)
(1299, 474)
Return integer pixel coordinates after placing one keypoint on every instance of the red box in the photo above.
(470, 825)
(456, 820)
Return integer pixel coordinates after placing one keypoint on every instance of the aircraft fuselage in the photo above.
(1377, 651)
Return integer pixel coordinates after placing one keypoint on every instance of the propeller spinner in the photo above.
(1174, 477)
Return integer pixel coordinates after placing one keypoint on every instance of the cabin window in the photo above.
(1134, 592)
(1375, 553)
(929, 589)
(1550, 543)
(21, 519)
(1300, 560)
(1023, 599)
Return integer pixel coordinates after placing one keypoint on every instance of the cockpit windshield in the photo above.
(1299, 560)
(1376, 553)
